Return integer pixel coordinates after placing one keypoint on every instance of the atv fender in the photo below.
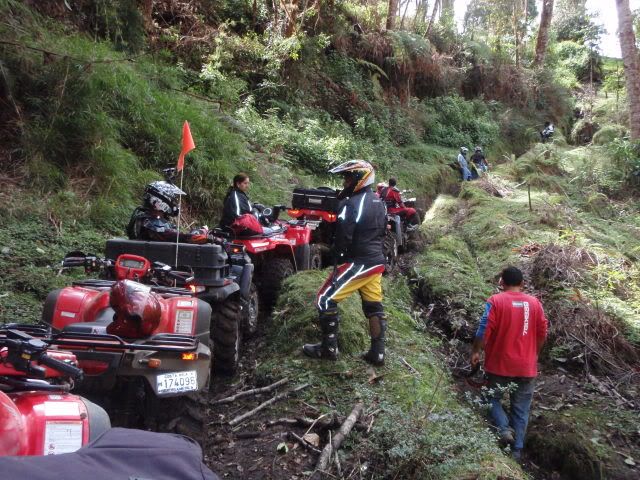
(219, 294)
(397, 228)
(302, 257)
(245, 280)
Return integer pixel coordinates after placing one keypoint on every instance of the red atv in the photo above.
(144, 349)
(221, 274)
(38, 415)
(282, 249)
(319, 208)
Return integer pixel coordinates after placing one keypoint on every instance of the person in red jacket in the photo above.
(512, 332)
(392, 198)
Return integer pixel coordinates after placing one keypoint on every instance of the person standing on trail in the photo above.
(151, 221)
(512, 332)
(360, 262)
(393, 200)
(462, 163)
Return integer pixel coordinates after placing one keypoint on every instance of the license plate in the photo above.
(177, 382)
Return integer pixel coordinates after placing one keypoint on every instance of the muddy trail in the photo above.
(254, 448)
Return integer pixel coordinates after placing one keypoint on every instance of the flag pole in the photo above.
(179, 215)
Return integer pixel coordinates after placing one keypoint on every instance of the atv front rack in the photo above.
(97, 284)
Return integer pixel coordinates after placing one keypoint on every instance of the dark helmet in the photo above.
(162, 196)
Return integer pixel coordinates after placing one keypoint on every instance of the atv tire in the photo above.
(390, 250)
(185, 415)
(226, 321)
(251, 314)
(272, 274)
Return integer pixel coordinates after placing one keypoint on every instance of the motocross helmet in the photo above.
(463, 150)
(162, 196)
(360, 171)
(478, 149)
(137, 310)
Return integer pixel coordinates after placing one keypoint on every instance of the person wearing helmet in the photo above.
(152, 222)
(360, 262)
(462, 163)
(393, 200)
(479, 162)
(547, 132)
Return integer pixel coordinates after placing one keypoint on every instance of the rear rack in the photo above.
(161, 342)
(97, 284)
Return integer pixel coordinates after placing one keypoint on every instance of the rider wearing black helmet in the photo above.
(151, 220)
(360, 262)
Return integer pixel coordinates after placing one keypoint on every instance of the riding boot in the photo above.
(328, 347)
(377, 329)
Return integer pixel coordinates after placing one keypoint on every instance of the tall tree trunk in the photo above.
(543, 32)
(516, 34)
(447, 9)
(436, 5)
(147, 13)
(631, 64)
(391, 14)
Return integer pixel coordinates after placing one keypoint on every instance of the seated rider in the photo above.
(239, 214)
(152, 222)
(236, 203)
(480, 162)
(392, 198)
(547, 133)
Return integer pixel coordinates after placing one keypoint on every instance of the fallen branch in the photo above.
(335, 442)
(253, 391)
(264, 405)
(303, 442)
(409, 366)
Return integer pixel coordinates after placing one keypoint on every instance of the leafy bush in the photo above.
(455, 122)
(609, 133)
(626, 156)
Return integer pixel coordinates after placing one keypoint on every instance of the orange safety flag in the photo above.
(187, 144)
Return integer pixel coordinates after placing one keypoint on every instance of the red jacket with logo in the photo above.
(515, 326)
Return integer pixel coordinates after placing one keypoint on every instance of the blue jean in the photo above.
(520, 402)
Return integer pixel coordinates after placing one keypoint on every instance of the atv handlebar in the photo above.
(23, 349)
(89, 262)
(62, 367)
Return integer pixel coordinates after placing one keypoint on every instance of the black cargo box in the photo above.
(208, 262)
(324, 199)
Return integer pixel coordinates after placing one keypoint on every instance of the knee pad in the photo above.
(372, 309)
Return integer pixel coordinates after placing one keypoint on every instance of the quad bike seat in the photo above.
(266, 232)
(100, 324)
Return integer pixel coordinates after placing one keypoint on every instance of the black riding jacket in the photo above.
(362, 223)
(236, 203)
(145, 226)
(478, 158)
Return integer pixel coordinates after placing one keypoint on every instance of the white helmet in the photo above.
(362, 172)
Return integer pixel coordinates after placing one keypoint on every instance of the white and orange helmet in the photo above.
(361, 171)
